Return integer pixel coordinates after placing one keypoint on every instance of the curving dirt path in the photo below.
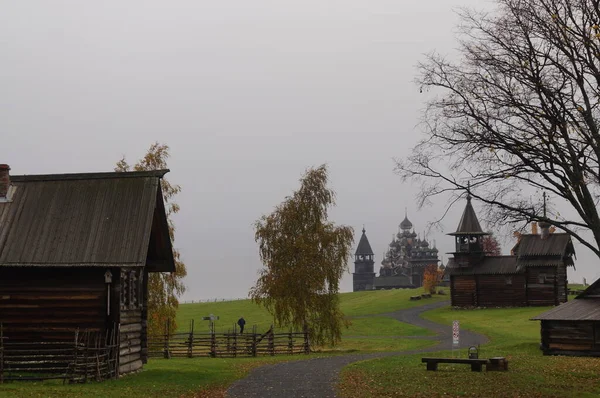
(316, 378)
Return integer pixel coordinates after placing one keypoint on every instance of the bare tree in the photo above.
(517, 113)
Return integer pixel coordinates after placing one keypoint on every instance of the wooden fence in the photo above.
(227, 345)
(90, 356)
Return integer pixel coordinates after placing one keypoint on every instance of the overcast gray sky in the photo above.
(248, 94)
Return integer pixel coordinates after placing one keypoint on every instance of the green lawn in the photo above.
(375, 344)
(512, 335)
(181, 377)
(352, 304)
(382, 326)
(382, 301)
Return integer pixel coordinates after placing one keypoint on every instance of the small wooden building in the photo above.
(535, 273)
(573, 328)
(75, 254)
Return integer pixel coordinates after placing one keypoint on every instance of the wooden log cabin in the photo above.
(534, 274)
(573, 328)
(75, 254)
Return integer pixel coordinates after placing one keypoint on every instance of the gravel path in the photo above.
(316, 378)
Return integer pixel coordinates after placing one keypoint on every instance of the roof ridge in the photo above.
(88, 176)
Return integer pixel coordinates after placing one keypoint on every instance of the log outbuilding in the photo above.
(573, 328)
(76, 251)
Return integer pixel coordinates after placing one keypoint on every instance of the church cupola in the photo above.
(364, 261)
(406, 225)
(468, 237)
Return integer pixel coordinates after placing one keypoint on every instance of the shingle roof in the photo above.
(469, 224)
(555, 244)
(489, 265)
(94, 219)
(533, 251)
(579, 309)
(364, 248)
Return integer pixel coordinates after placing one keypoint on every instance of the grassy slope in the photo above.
(530, 373)
(352, 305)
(207, 377)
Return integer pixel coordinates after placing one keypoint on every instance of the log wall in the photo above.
(50, 304)
(544, 293)
(579, 338)
(132, 310)
(463, 291)
(561, 285)
(501, 290)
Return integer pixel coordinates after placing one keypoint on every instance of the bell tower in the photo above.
(468, 238)
(364, 261)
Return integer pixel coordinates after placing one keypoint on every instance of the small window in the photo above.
(508, 280)
(542, 278)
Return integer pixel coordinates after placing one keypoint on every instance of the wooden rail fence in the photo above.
(227, 345)
(90, 356)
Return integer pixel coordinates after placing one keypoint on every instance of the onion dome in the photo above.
(406, 224)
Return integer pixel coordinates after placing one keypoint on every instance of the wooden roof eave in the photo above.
(166, 263)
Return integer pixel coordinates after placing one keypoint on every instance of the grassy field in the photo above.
(512, 335)
(208, 377)
(352, 305)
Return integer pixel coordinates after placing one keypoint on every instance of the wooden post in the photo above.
(191, 342)
(74, 365)
(306, 340)
(85, 354)
(167, 352)
(254, 340)
(290, 343)
(97, 344)
(213, 341)
(272, 342)
(234, 340)
(118, 352)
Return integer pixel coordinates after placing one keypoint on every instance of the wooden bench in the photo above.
(476, 364)
(415, 298)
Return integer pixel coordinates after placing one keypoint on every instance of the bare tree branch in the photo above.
(518, 113)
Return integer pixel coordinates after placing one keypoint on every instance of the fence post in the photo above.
(254, 340)
(306, 341)
(290, 343)
(191, 342)
(272, 342)
(74, 364)
(234, 340)
(167, 352)
(213, 341)
(85, 354)
(118, 352)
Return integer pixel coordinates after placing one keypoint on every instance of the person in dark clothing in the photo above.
(241, 322)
